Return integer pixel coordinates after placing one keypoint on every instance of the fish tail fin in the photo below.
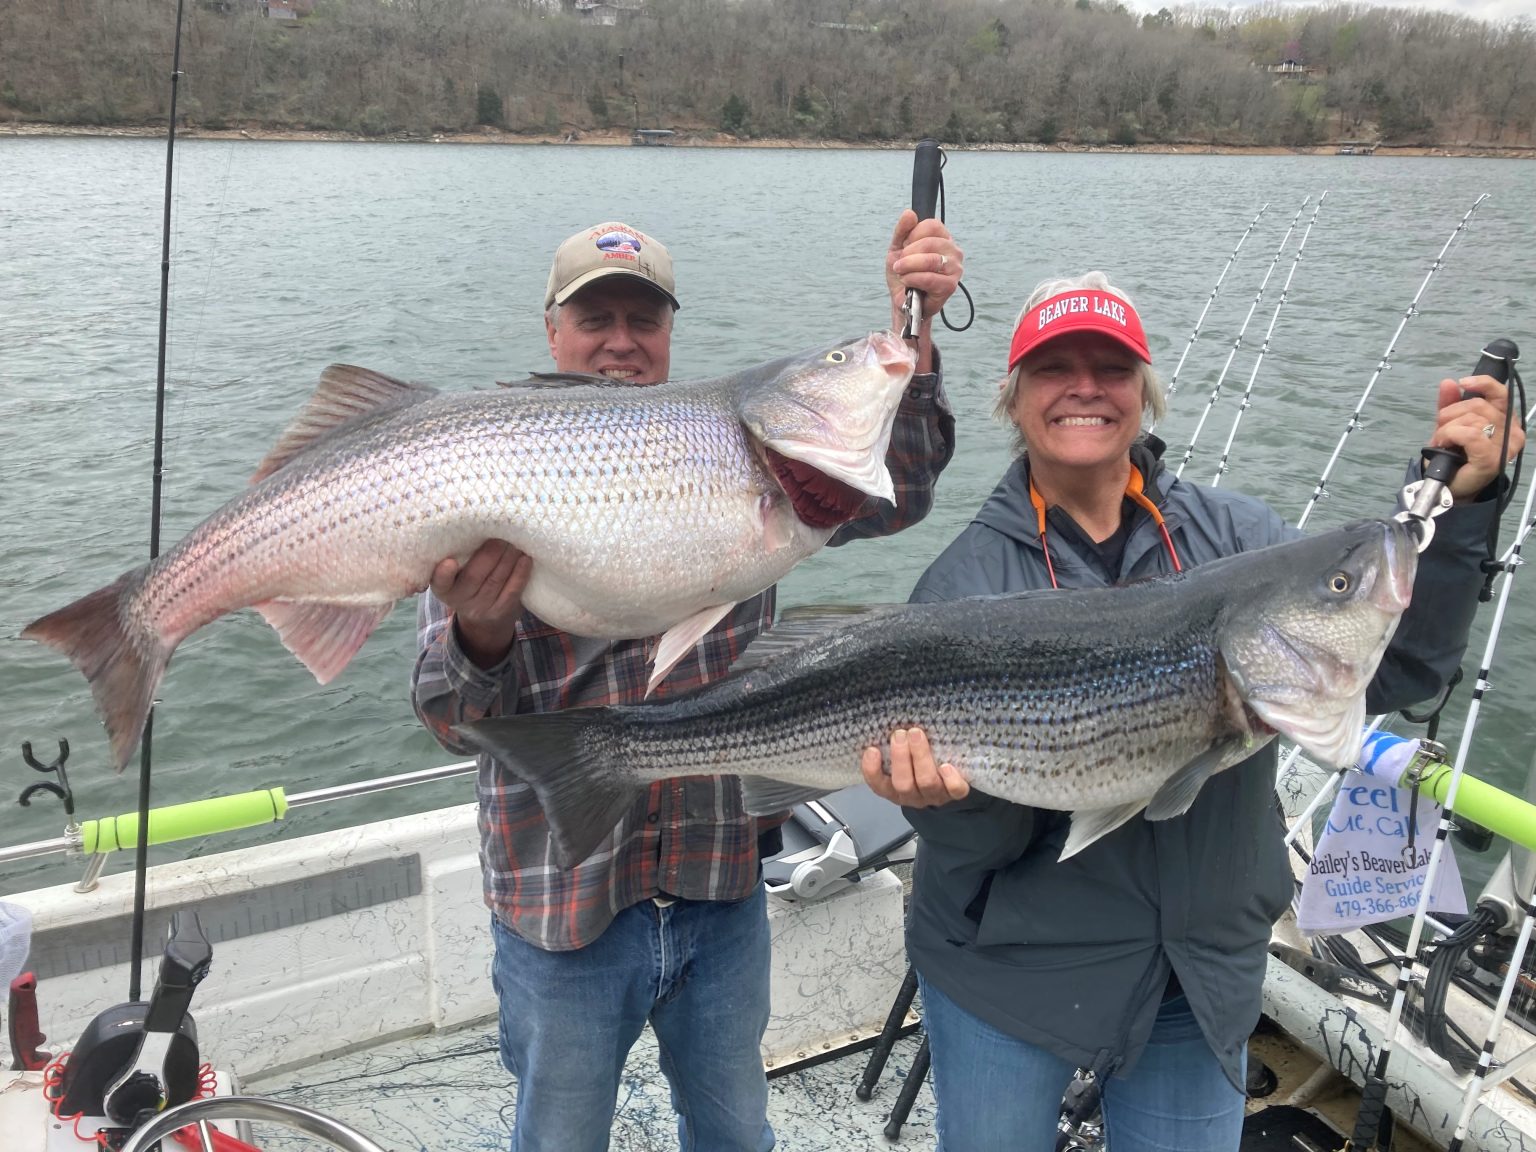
(122, 661)
(571, 761)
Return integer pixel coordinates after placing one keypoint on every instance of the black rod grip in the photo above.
(187, 957)
(925, 178)
(1497, 356)
(1495, 360)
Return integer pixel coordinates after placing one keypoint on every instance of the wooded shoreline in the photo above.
(707, 139)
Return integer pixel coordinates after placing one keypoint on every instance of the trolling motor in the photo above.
(134, 1060)
(925, 201)
(1429, 497)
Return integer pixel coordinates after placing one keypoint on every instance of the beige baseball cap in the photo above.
(610, 249)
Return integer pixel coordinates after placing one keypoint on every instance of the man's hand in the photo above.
(1467, 408)
(485, 595)
(922, 255)
(914, 780)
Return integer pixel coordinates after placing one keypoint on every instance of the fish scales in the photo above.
(444, 476)
(1102, 702)
(646, 510)
(1029, 706)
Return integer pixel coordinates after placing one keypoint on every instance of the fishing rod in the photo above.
(1320, 491)
(1373, 1096)
(141, 858)
(1285, 290)
(1510, 560)
(1173, 382)
(1238, 342)
(1520, 901)
(928, 161)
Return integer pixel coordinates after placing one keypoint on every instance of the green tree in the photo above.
(733, 117)
(488, 107)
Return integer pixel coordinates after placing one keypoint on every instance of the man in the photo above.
(667, 922)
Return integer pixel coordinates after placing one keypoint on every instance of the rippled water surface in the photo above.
(429, 262)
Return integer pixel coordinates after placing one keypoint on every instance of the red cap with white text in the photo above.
(1081, 310)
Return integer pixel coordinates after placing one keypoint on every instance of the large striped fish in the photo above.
(1103, 702)
(646, 510)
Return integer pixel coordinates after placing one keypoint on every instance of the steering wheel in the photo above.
(258, 1108)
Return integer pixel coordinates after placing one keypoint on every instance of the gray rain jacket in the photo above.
(1074, 956)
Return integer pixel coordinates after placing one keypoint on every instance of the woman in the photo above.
(1143, 956)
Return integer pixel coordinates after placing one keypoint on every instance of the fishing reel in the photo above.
(134, 1060)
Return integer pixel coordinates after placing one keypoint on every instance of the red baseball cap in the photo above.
(1082, 310)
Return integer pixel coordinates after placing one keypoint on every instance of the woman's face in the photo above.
(1079, 401)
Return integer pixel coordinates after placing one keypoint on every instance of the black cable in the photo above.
(943, 160)
(1492, 565)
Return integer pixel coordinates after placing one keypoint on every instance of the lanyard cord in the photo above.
(1134, 492)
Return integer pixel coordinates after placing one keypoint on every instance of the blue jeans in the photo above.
(996, 1092)
(697, 970)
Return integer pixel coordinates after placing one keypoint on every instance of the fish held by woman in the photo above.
(646, 510)
(1103, 702)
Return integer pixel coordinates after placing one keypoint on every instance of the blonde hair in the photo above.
(1154, 401)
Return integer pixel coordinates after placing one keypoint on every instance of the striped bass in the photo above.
(646, 510)
(1104, 702)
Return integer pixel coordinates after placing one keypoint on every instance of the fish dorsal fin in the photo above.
(1179, 790)
(345, 393)
(798, 627)
(565, 380)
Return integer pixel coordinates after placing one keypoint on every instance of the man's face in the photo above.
(617, 328)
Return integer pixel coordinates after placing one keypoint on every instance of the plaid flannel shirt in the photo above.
(687, 837)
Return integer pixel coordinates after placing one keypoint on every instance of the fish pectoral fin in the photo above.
(1179, 790)
(345, 394)
(678, 640)
(324, 636)
(1090, 824)
(763, 796)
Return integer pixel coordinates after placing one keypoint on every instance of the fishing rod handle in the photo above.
(1496, 360)
(925, 200)
(925, 178)
(1497, 356)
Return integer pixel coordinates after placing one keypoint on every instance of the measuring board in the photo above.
(105, 942)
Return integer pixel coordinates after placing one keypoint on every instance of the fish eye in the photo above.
(837, 356)
(1339, 583)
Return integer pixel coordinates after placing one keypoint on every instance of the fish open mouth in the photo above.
(819, 500)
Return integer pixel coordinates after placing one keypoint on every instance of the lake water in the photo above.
(429, 262)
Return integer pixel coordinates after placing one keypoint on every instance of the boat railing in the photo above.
(99, 838)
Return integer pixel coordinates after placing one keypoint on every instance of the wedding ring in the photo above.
(943, 261)
(1488, 431)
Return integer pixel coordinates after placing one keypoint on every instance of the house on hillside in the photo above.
(1290, 70)
(608, 12)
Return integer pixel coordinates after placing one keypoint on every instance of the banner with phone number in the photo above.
(1362, 871)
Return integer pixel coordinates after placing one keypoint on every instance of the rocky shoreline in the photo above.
(684, 138)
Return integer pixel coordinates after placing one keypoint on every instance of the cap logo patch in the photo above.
(619, 245)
